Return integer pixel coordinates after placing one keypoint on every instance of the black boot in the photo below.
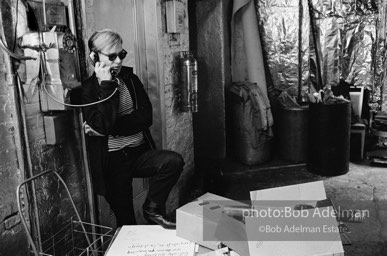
(156, 215)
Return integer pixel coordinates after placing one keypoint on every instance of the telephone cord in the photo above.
(80, 105)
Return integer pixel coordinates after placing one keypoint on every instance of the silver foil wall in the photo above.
(351, 36)
(279, 28)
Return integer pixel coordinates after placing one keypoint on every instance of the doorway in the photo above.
(128, 19)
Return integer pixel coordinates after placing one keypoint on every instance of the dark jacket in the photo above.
(102, 118)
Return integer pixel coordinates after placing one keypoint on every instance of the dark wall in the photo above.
(210, 41)
(12, 235)
(210, 37)
(65, 157)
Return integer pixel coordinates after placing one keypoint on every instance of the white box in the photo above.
(192, 226)
(306, 191)
(313, 191)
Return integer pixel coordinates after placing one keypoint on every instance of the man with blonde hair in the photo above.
(119, 143)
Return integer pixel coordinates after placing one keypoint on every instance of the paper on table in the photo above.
(149, 240)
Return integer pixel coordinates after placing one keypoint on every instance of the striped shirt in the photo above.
(125, 107)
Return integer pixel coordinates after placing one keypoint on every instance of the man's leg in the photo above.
(119, 192)
(165, 166)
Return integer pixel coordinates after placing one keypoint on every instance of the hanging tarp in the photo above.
(246, 53)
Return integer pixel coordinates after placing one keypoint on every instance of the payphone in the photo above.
(55, 66)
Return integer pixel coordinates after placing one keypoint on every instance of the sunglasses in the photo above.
(113, 56)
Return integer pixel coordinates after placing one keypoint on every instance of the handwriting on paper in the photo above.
(159, 249)
(149, 241)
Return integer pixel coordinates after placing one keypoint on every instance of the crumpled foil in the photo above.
(279, 28)
(351, 43)
(330, 50)
(379, 91)
(358, 57)
(347, 33)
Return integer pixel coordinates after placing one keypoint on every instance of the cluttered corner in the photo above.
(325, 63)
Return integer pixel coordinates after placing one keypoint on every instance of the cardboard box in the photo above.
(306, 191)
(205, 231)
(313, 191)
(207, 214)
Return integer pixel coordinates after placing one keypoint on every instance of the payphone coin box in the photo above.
(55, 13)
(55, 128)
(59, 62)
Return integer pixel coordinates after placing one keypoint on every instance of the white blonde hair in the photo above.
(102, 38)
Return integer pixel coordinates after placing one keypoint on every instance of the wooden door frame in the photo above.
(148, 67)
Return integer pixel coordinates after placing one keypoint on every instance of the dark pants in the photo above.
(163, 165)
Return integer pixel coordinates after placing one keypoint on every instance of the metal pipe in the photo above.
(300, 14)
(44, 15)
(90, 192)
(29, 161)
(73, 28)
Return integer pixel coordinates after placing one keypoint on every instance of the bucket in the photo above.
(292, 133)
(329, 138)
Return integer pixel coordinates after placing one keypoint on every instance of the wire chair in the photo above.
(73, 237)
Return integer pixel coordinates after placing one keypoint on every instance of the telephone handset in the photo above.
(94, 58)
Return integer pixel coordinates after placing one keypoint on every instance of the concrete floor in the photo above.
(363, 187)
